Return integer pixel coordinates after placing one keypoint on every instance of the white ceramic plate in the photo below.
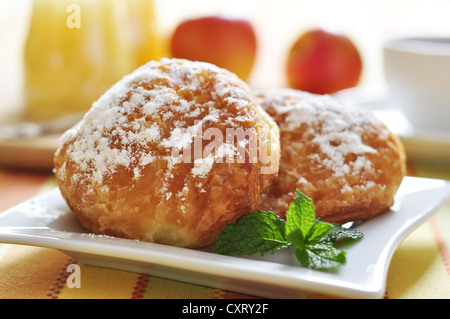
(47, 221)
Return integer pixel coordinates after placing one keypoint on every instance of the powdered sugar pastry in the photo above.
(140, 110)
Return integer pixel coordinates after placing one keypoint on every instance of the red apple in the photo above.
(323, 62)
(227, 42)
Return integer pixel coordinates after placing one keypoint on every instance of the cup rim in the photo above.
(424, 45)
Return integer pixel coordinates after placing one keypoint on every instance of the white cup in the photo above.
(418, 76)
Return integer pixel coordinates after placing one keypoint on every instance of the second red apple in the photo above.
(227, 42)
(323, 62)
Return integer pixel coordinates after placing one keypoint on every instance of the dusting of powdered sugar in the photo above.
(335, 127)
(106, 139)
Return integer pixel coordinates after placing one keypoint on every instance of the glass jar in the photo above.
(75, 51)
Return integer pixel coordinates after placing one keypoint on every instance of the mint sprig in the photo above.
(257, 232)
(264, 232)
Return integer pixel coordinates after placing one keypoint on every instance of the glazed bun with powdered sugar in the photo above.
(341, 156)
(171, 154)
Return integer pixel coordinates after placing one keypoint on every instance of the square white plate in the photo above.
(47, 221)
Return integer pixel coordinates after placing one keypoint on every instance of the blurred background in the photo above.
(277, 24)
(123, 34)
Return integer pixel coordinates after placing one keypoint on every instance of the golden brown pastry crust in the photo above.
(340, 156)
(140, 164)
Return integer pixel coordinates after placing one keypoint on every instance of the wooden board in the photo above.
(34, 153)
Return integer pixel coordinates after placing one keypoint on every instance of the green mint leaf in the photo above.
(300, 218)
(313, 237)
(318, 231)
(257, 232)
(264, 232)
(338, 231)
(320, 256)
